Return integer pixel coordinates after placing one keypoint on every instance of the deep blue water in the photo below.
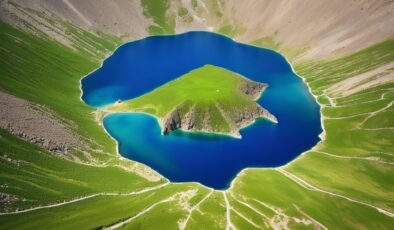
(140, 66)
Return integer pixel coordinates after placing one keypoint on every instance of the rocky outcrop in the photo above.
(7, 198)
(179, 118)
(173, 121)
(245, 117)
(194, 118)
(253, 89)
(37, 124)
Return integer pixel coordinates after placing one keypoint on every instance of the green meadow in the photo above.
(206, 90)
(342, 183)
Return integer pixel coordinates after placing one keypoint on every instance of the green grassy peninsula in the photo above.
(207, 99)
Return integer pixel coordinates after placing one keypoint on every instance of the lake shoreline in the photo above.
(249, 125)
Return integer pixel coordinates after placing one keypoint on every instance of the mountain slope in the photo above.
(300, 28)
(343, 49)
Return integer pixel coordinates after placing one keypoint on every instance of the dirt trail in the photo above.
(311, 187)
(148, 189)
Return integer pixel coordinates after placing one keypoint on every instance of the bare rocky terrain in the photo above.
(323, 28)
(37, 125)
(355, 84)
(313, 29)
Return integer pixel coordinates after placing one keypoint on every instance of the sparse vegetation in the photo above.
(158, 11)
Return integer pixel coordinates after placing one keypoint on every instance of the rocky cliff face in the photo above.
(247, 116)
(177, 119)
(253, 89)
(193, 118)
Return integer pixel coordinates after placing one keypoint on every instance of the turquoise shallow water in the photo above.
(139, 67)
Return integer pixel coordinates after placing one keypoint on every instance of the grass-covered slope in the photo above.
(350, 170)
(207, 99)
(48, 73)
(34, 177)
(343, 183)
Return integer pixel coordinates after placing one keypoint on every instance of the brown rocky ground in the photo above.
(37, 125)
(319, 28)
